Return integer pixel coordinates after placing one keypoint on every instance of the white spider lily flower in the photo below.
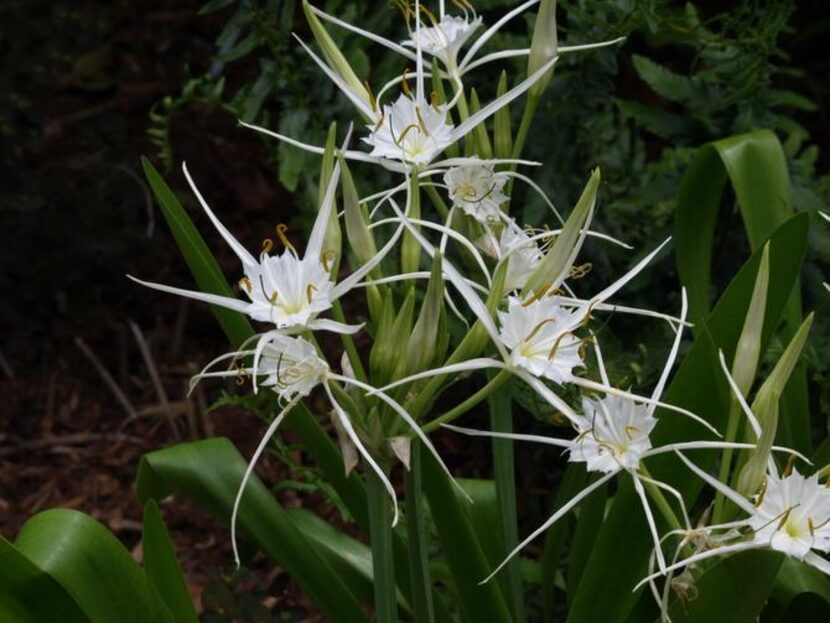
(478, 191)
(456, 34)
(293, 368)
(285, 290)
(540, 337)
(411, 130)
(445, 38)
(791, 514)
(520, 250)
(613, 432)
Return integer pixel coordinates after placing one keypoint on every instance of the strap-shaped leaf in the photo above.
(462, 549)
(209, 473)
(735, 590)
(30, 595)
(755, 167)
(93, 566)
(162, 567)
(623, 542)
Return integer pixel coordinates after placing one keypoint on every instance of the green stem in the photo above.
(661, 501)
(468, 404)
(383, 559)
(438, 202)
(348, 344)
(421, 597)
(501, 420)
(732, 425)
(521, 137)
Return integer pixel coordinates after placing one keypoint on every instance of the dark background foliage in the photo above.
(86, 87)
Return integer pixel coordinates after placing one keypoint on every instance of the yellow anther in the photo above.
(273, 298)
(406, 131)
(309, 292)
(379, 124)
(578, 272)
(421, 123)
(538, 328)
(281, 229)
(246, 284)
(405, 85)
(555, 346)
(628, 430)
(435, 101)
(537, 295)
(430, 15)
(763, 492)
(784, 518)
(328, 258)
(267, 245)
(372, 99)
(811, 527)
(790, 465)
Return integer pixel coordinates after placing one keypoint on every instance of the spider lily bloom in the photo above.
(292, 368)
(447, 35)
(791, 514)
(521, 253)
(423, 131)
(478, 191)
(450, 33)
(540, 337)
(285, 289)
(411, 130)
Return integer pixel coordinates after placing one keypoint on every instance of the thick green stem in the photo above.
(383, 559)
(732, 426)
(501, 421)
(421, 593)
(524, 127)
(468, 404)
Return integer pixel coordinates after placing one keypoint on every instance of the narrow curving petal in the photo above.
(263, 443)
(213, 299)
(241, 252)
(552, 520)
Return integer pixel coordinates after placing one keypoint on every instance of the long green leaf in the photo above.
(623, 542)
(735, 590)
(30, 595)
(93, 566)
(501, 420)
(199, 259)
(209, 473)
(462, 549)
(162, 567)
(801, 593)
(755, 166)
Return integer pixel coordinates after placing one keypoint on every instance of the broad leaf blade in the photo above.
(209, 472)
(93, 566)
(30, 595)
(755, 166)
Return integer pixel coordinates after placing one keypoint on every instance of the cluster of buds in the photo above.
(515, 290)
